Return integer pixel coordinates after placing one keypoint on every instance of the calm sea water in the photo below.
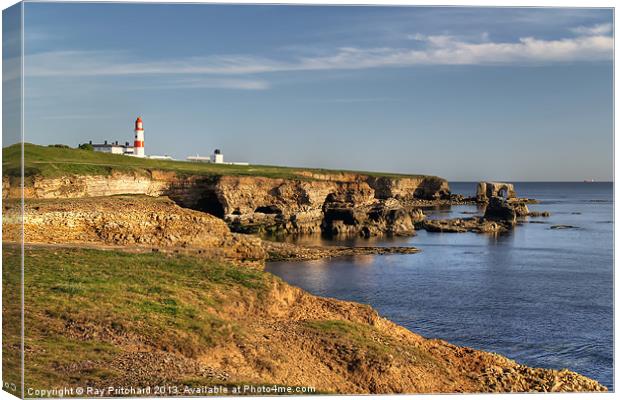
(540, 296)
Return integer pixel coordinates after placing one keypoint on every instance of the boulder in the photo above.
(390, 217)
(381, 217)
(521, 209)
(499, 209)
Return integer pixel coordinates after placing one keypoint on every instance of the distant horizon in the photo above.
(457, 92)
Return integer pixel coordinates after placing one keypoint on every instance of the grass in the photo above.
(85, 309)
(75, 298)
(377, 345)
(53, 162)
(11, 321)
(362, 335)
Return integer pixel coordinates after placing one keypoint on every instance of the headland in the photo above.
(142, 271)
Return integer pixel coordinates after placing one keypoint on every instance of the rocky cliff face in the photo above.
(133, 222)
(429, 188)
(334, 203)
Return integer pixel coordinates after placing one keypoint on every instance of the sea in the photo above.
(540, 296)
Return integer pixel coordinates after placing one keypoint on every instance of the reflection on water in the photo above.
(540, 296)
(316, 239)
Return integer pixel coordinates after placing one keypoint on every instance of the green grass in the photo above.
(57, 161)
(75, 297)
(11, 321)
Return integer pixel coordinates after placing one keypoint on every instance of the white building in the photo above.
(198, 158)
(217, 157)
(112, 147)
(165, 157)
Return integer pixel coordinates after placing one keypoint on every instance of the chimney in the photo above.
(90, 142)
(105, 142)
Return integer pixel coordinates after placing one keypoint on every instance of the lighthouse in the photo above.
(138, 143)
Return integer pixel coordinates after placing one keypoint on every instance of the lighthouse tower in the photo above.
(138, 143)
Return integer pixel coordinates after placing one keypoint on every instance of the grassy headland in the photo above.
(56, 161)
(104, 318)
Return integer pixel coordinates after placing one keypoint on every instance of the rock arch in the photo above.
(487, 190)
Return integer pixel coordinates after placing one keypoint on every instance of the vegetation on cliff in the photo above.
(86, 308)
(53, 162)
(105, 318)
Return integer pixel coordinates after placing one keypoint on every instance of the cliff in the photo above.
(132, 223)
(361, 204)
(249, 199)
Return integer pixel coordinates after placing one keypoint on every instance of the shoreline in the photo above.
(279, 251)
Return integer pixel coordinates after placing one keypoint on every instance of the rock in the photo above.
(406, 189)
(487, 190)
(255, 204)
(391, 217)
(444, 225)
(499, 209)
(135, 222)
(458, 225)
(383, 216)
(563, 227)
(521, 209)
(279, 251)
(539, 214)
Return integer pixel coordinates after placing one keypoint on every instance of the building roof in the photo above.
(111, 144)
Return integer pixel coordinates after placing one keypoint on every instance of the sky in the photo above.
(511, 94)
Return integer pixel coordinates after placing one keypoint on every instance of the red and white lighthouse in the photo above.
(138, 143)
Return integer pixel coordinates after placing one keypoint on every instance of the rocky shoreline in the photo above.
(146, 224)
(277, 251)
(204, 220)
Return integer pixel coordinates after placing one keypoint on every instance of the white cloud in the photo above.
(210, 83)
(600, 29)
(416, 36)
(589, 45)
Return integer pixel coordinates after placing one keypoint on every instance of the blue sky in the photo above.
(465, 93)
